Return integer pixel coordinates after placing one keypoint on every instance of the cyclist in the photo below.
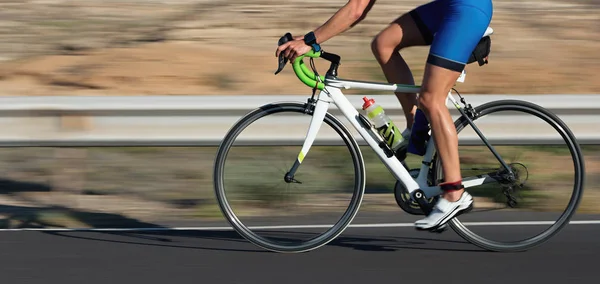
(452, 29)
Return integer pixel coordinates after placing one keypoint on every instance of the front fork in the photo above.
(319, 111)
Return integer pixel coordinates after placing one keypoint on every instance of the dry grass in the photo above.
(226, 47)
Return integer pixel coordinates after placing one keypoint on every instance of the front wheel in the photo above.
(547, 185)
(278, 213)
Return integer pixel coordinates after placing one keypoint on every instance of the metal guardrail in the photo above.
(204, 120)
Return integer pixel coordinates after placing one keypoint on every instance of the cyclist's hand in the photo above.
(292, 49)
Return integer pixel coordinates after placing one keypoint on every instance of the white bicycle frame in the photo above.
(332, 94)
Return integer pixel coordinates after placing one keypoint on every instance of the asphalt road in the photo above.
(360, 255)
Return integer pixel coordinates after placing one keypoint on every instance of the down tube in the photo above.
(392, 163)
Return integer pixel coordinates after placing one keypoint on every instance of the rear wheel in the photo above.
(540, 205)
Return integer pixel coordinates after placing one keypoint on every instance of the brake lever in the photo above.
(282, 60)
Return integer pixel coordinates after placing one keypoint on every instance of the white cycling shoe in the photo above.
(444, 211)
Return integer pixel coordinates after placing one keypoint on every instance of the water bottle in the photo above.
(385, 127)
(419, 134)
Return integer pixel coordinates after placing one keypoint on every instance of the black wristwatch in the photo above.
(311, 40)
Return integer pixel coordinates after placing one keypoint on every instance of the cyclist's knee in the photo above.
(400, 34)
(381, 46)
(431, 101)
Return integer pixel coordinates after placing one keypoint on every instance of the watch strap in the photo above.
(311, 40)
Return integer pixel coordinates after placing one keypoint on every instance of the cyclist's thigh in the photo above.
(427, 19)
(463, 24)
(407, 30)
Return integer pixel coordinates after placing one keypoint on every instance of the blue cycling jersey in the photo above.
(453, 28)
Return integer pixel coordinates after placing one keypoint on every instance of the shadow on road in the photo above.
(231, 241)
(437, 242)
(208, 240)
(401, 243)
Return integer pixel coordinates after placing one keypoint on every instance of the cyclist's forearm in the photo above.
(349, 15)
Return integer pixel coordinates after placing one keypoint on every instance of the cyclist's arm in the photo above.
(348, 16)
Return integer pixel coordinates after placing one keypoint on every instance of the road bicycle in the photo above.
(416, 189)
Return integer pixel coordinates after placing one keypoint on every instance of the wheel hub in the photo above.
(512, 183)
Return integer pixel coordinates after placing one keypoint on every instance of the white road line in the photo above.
(382, 225)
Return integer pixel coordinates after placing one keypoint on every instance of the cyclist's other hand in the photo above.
(292, 49)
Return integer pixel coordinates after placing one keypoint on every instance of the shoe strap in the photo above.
(449, 186)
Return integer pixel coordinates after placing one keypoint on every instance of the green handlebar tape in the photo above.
(304, 74)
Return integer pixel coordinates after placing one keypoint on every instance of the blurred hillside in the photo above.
(200, 47)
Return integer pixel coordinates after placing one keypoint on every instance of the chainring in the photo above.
(403, 198)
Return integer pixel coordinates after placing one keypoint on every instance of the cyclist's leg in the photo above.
(463, 25)
(437, 81)
(402, 32)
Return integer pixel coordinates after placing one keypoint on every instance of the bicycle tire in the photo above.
(578, 163)
(325, 237)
